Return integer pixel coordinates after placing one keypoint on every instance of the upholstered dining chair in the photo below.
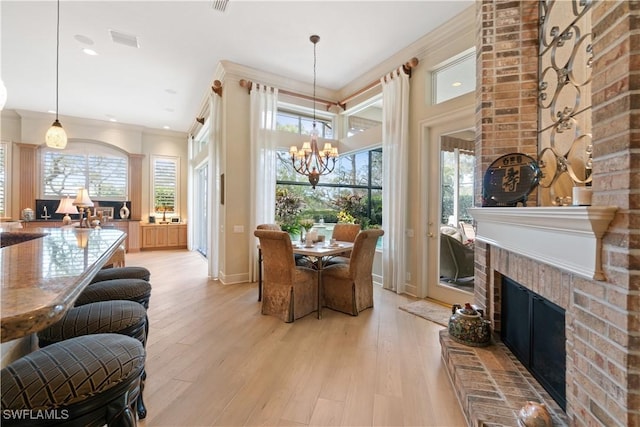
(349, 287)
(289, 292)
(343, 232)
(272, 227)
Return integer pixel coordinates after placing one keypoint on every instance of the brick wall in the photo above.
(603, 317)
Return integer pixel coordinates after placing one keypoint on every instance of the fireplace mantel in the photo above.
(569, 237)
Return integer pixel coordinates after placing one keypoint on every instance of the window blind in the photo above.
(165, 184)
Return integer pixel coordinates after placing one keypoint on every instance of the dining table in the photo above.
(318, 253)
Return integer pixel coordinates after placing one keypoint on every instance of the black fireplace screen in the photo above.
(533, 328)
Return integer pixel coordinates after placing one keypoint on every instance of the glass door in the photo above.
(450, 190)
(201, 209)
(456, 232)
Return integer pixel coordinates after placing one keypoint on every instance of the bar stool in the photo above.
(137, 290)
(116, 316)
(130, 272)
(90, 380)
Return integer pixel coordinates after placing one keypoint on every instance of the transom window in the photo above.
(289, 121)
(455, 78)
(102, 170)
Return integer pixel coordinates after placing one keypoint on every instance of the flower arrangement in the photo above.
(346, 217)
(307, 223)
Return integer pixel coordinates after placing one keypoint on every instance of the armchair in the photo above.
(456, 259)
(289, 292)
(348, 287)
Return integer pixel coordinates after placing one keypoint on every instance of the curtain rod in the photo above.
(407, 66)
(249, 84)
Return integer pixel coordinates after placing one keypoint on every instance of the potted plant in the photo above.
(288, 207)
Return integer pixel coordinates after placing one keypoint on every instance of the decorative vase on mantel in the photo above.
(124, 211)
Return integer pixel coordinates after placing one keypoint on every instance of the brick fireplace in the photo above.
(602, 309)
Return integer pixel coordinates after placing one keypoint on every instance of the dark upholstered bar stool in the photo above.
(117, 316)
(90, 380)
(130, 289)
(131, 272)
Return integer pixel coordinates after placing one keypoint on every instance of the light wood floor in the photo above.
(214, 360)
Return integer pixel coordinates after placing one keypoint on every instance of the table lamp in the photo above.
(66, 207)
(82, 201)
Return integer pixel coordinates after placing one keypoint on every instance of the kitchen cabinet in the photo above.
(163, 236)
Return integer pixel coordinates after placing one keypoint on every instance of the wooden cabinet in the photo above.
(164, 236)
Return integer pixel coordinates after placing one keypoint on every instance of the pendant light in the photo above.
(310, 160)
(56, 136)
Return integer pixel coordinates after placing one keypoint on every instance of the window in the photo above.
(457, 185)
(165, 172)
(455, 78)
(354, 187)
(302, 124)
(102, 170)
(4, 148)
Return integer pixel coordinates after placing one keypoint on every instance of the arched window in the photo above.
(102, 169)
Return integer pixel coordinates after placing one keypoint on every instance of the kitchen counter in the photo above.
(43, 276)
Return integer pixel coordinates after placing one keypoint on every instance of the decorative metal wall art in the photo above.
(564, 99)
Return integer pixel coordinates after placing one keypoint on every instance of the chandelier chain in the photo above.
(57, 55)
(314, 83)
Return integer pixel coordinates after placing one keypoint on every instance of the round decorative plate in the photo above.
(509, 180)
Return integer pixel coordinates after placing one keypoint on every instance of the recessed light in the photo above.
(51, 111)
(166, 127)
(456, 84)
(89, 52)
(113, 119)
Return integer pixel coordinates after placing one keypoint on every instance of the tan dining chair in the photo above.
(343, 232)
(288, 291)
(349, 287)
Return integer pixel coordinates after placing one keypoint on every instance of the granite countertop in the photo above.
(43, 276)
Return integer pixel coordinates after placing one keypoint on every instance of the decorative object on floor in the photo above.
(467, 326)
(66, 207)
(509, 180)
(56, 137)
(429, 310)
(309, 160)
(534, 414)
(124, 211)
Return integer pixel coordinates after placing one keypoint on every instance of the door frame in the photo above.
(431, 130)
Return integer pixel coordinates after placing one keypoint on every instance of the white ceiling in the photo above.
(163, 82)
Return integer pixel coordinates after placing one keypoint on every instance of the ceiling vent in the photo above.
(125, 39)
(220, 5)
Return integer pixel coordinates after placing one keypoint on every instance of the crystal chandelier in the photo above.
(309, 160)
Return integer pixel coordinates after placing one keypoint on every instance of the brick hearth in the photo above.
(492, 385)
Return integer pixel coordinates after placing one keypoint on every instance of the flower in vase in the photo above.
(307, 224)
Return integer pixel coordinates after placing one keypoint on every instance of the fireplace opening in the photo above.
(533, 328)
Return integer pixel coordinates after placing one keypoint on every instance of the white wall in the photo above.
(29, 127)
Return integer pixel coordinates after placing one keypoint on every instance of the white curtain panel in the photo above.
(395, 160)
(264, 108)
(213, 190)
